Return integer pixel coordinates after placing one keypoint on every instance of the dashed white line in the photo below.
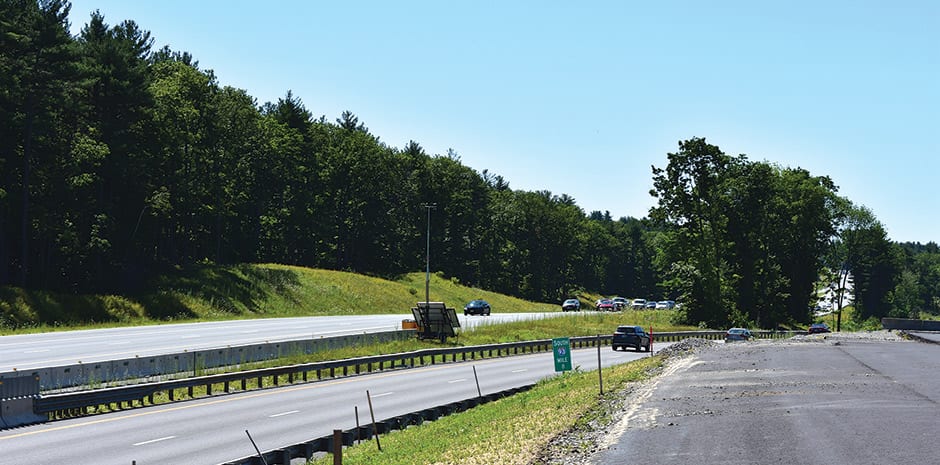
(283, 413)
(382, 394)
(35, 351)
(154, 440)
(520, 371)
(456, 380)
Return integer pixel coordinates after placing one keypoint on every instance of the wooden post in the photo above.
(651, 340)
(337, 447)
(260, 455)
(358, 428)
(479, 392)
(375, 429)
(600, 372)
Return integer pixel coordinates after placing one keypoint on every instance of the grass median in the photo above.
(510, 431)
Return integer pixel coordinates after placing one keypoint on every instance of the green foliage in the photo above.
(875, 264)
(135, 162)
(743, 241)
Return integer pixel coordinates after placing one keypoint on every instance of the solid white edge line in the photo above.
(283, 413)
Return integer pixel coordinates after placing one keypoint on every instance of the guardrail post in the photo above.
(337, 447)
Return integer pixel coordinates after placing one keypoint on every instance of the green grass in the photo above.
(204, 293)
(509, 431)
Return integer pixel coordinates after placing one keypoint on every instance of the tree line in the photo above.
(120, 161)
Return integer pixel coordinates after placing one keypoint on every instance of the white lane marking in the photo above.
(118, 343)
(154, 440)
(520, 371)
(283, 413)
(456, 380)
(35, 351)
(382, 394)
(189, 336)
(250, 331)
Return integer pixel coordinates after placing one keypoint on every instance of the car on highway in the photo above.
(604, 305)
(665, 305)
(620, 303)
(571, 305)
(738, 334)
(631, 336)
(651, 304)
(639, 304)
(817, 328)
(477, 307)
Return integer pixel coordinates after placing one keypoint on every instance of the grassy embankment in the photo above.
(268, 291)
(236, 292)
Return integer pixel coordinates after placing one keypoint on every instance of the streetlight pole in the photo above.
(427, 258)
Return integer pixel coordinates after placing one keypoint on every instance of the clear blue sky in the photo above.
(582, 98)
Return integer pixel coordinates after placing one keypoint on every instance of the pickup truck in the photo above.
(631, 336)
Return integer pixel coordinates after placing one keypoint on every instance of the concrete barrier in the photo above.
(910, 325)
(17, 412)
(99, 374)
(17, 392)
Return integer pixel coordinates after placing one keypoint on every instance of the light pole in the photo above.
(427, 258)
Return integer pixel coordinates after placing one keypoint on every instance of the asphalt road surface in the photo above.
(31, 351)
(212, 430)
(841, 400)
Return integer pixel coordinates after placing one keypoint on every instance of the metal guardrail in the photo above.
(71, 404)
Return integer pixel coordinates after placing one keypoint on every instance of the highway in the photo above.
(31, 351)
(212, 430)
(840, 401)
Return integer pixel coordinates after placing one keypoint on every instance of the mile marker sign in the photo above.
(562, 348)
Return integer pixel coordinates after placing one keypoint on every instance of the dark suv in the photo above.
(477, 307)
(631, 336)
(816, 328)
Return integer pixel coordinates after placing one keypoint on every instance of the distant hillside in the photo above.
(242, 291)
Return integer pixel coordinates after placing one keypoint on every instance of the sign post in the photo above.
(562, 348)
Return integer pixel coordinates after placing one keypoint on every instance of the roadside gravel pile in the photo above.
(859, 336)
(686, 347)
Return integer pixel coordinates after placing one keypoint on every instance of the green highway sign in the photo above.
(562, 348)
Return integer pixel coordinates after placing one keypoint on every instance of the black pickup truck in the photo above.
(631, 336)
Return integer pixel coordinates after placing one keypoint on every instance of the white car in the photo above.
(620, 303)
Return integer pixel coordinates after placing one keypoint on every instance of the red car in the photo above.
(605, 305)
